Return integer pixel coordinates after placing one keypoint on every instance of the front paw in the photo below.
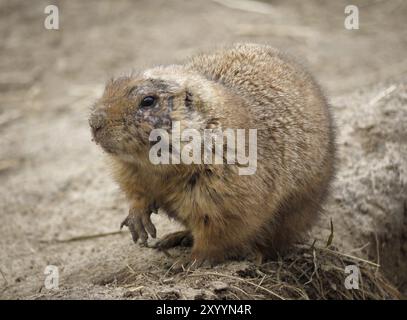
(138, 223)
(180, 238)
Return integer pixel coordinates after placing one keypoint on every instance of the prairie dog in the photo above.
(245, 86)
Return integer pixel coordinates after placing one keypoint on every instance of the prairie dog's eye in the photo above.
(148, 101)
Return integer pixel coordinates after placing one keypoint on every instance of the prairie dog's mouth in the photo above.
(102, 138)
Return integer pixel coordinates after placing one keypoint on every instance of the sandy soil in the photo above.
(55, 187)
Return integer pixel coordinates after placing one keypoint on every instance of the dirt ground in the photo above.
(56, 194)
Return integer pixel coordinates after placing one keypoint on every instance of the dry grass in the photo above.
(308, 272)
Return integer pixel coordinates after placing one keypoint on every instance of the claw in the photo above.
(124, 223)
(138, 224)
(129, 222)
(149, 226)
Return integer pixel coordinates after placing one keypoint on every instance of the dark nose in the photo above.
(97, 121)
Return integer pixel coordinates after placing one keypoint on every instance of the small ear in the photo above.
(193, 102)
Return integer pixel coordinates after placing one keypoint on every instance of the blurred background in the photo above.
(53, 184)
(98, 39)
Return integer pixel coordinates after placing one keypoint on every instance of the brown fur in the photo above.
(245, 86)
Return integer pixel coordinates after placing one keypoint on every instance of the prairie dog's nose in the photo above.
(97, 120)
